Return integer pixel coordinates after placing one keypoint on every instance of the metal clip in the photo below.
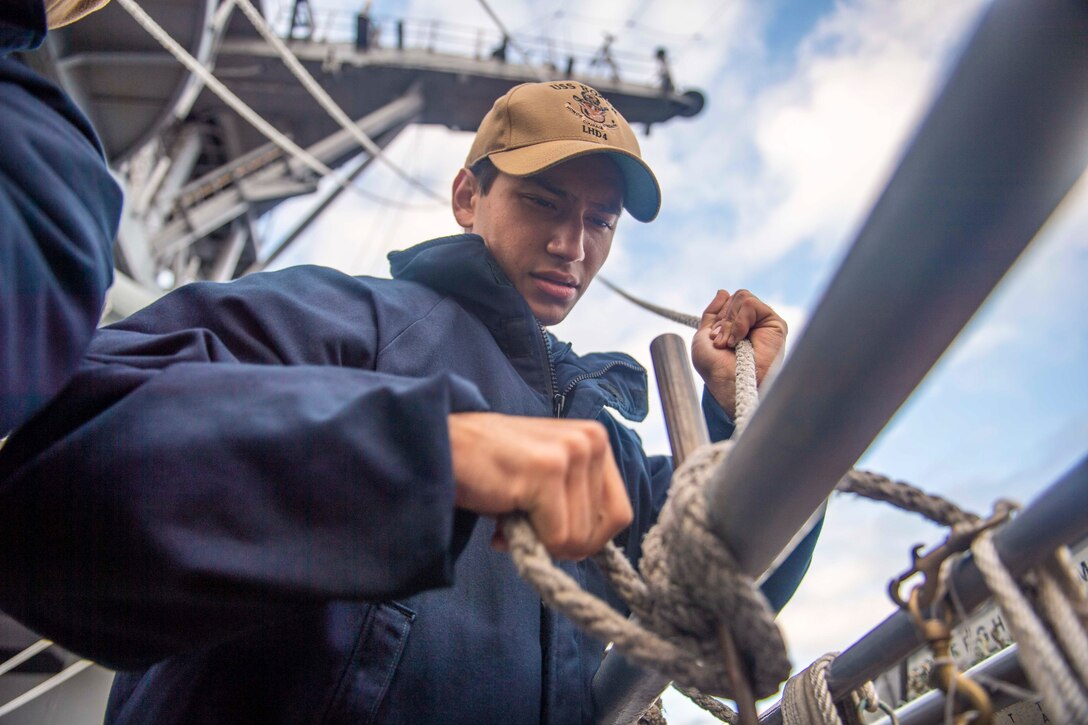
(929, 565)
(973, 705)
(937, 631)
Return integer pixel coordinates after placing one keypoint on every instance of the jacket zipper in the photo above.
(558, 399)
(595, 374)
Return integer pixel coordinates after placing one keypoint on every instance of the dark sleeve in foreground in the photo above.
(183, 489)
(59, 209)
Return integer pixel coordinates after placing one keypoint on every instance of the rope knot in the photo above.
(696, 588)
(691, 598)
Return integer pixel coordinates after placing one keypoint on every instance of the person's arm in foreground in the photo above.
(59, 209)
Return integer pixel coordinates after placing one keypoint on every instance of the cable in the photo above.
(679, 317)
(12, 663)
(322, 97)
(54, 681)
(238, 105)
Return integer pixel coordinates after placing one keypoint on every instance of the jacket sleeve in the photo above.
(191, 484)
(59, 209)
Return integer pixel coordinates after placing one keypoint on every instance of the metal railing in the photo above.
(340, 25)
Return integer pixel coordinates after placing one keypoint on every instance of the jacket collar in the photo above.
(461, 267)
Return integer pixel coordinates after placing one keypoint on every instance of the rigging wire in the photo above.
(326, 101)
(54, 681)
(508, 38)
(16, 660)
(240, 107)
(669, 314)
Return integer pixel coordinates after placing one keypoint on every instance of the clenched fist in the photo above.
(728, 319)
(559, 472)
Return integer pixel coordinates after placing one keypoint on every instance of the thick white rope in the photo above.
(54, 681)
(322, 97)
(13, 662)
(747, 394)
(1040, 657)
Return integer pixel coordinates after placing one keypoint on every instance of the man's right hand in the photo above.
(559, 472)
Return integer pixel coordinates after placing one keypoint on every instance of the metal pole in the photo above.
(621, 690)
(683, 415)
(997, 152)
(1056, 518)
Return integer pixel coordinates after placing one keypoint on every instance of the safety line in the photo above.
(508, 38)
(678, 317)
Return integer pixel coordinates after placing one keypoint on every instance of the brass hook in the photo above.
(945, 675)
(929, 565)
(938, 633)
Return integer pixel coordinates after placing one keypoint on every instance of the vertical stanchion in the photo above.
(679, 401)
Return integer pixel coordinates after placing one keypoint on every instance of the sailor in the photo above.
(59, 209)
(272, 500)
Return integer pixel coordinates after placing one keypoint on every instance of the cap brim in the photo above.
(641, 193)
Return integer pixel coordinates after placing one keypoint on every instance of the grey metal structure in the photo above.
(998, 151)
(197, 175)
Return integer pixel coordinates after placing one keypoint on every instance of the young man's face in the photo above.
(550, 232)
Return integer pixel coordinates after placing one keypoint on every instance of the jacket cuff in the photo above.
(718, 423)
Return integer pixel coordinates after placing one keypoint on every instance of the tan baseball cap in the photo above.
(536, 126)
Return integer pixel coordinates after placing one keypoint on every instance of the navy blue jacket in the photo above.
(59, 209)
(246, 490)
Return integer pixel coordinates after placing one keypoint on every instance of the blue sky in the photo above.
(809, 106)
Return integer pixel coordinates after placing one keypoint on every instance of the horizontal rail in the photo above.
(1003, 667)
(1056, 518)
(1000, 148)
